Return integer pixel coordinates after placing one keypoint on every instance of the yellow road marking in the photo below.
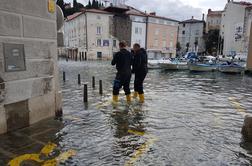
(139, 133)
(138, 153)
(142, 149)
(237, 105)
(49, 148)
(46, 150)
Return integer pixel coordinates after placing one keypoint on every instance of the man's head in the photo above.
(136, 47)
(122, 44)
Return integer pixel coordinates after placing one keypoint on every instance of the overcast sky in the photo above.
(176, 9)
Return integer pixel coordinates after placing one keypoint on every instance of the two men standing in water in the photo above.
(126, 64)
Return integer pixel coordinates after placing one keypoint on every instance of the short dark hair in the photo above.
(137, 45)
(122, 44)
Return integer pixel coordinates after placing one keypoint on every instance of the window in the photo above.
(183, 25)
(156, 43)
(157, 32)
(183, 32)
(164, 44)
(99, 42)
(136, 30)
(140, 31)
(98, 17)
(98, 30)
(196, 32)
(114, 43)
(171, 44)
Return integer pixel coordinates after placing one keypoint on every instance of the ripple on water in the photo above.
(189, 114)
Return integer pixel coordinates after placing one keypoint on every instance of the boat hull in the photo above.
(202, 67)
(231, 69)
(174, 66)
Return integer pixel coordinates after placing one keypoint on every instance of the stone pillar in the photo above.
(249, 60)
(28, 62)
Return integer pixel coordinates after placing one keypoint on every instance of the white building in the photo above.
(192, 32)
(87, 34)
(235, 28)
(138, 27)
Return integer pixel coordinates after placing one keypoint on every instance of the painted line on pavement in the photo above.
(238, 106)
(144, 148)
(46, 151)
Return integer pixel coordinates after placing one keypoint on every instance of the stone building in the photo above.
(29, 87)
(235, 27)
(213, 21)
(191, 32)
(161, 36)
(87, 34)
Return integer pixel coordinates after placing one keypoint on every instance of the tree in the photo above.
(75, 5)
(89, 5)
(212, 41)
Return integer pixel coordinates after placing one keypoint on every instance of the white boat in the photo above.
(208, 63)
(174, 65)
(202, 67)
(155, 64)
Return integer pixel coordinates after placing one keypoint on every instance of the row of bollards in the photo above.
(85, 89)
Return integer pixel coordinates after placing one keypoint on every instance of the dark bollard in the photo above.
(85, 94)
(100, 87)
(64, 76)
(79, 79)
(93, 82)
(247, 129)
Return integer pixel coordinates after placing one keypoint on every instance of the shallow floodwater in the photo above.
(187, 119)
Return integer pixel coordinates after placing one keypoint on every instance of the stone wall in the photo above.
(31, 94)
(249, 60)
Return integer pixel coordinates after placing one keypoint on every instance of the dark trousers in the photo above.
(122, 80)
(138, 83)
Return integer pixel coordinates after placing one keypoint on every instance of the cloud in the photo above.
(175, 9)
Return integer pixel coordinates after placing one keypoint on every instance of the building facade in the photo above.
(213, 21)
(87, 34)
(29, 84)
(161, 36)
(191, 35)
(235, 28)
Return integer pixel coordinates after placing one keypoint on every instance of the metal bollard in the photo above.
(85, 94)
(100, 87)
(64, 76)
(79, 79)
(93, 82)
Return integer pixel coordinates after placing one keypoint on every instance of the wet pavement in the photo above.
(187, 119)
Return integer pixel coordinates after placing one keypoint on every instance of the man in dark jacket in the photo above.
(140, 61)
(123, 61)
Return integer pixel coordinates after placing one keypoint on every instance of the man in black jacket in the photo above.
(123, 61)
(140, 69)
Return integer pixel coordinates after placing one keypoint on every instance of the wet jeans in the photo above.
(138, 83)
(122, 81)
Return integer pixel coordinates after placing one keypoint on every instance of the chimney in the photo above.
(192, 17)
(209, 11)
(203, 17)
(153, 13)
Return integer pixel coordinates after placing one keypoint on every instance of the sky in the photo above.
(175, 9)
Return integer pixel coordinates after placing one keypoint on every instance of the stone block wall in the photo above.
(33, 94)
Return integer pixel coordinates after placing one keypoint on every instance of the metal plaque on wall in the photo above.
(14, 57)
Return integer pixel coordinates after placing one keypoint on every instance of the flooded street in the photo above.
(187, 119)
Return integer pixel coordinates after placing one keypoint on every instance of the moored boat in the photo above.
(202, 67)
(231, 68)
(155, 64)
(174, 65)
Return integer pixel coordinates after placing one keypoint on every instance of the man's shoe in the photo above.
(135, 95)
